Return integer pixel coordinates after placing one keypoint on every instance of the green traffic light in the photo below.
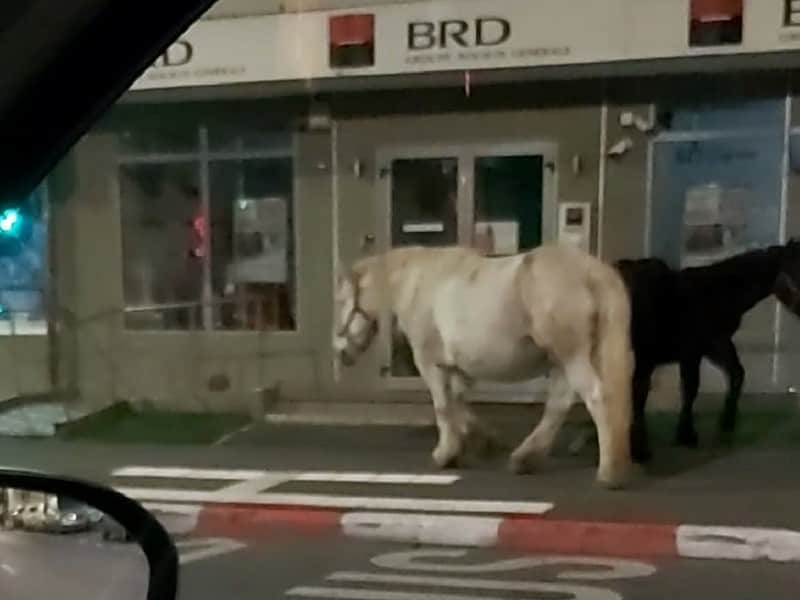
(10, 221)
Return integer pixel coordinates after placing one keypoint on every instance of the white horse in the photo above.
(555, 310)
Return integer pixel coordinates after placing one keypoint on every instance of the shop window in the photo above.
(252, 250)
(162, 280)
(23, 267)
(208, 240)
(715, 197)
(752, 115)
(171, 136)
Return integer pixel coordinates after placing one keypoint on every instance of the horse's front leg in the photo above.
(450, 444)
(537, 445)
(474, 432)
(686, 435)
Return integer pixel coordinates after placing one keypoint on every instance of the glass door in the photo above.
(498, 198)
(508, 195)
(423, 209)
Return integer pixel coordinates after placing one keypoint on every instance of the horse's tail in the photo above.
(613, 358)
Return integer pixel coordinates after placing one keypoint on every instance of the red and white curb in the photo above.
(519, 533)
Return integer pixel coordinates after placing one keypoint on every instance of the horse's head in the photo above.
(356, 316)
(787, 284)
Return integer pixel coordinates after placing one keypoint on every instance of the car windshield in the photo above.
(352, 295)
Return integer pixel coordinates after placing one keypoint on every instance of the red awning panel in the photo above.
(709, 11)
(349, 30)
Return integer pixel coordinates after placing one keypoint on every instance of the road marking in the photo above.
(738, 543)
(363, 594)
(186, 473)
(201, 549)
(386, 478)
(306, 476)
(176, 509)
(601, 568)
(423, 529)
(388, 584)
(494, 585)
(177, 519)
(365, 503)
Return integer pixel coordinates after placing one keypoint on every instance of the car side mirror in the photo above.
(71, 539)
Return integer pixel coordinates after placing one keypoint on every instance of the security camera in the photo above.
(621, 147)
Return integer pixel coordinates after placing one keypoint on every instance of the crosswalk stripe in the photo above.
(448, 505)
(305, 476)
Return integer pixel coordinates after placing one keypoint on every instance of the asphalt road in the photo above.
(80, 567)
(34, 566)
(358, 570)
(743, 488)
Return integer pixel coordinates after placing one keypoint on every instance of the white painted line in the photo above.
(388, 478)
(423, 529)
(187, 473)
(176, 509)
(307, 476)
(200, 549)
(738, 543)
(364, 594)
(256, 485)
(229, 436)
(572, 590)
(340, 502)
(575, 568)
(175, 518)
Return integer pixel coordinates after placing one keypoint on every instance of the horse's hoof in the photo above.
(613, 482)
(619, 478)
(687, 439)
(641, 455)
(487, 445)
(726, 438)
(444, 459)
(523, 465)
(519, 466)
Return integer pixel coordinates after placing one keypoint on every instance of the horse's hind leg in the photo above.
(723, 354)
(640, 440)
(686, 435)
(450, 444)
(583, 378)
(538, 444)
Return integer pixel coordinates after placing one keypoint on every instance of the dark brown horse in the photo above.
(681, 316)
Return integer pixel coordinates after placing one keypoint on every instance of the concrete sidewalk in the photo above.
(379, 482)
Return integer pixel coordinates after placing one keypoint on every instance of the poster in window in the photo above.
(714, 224)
